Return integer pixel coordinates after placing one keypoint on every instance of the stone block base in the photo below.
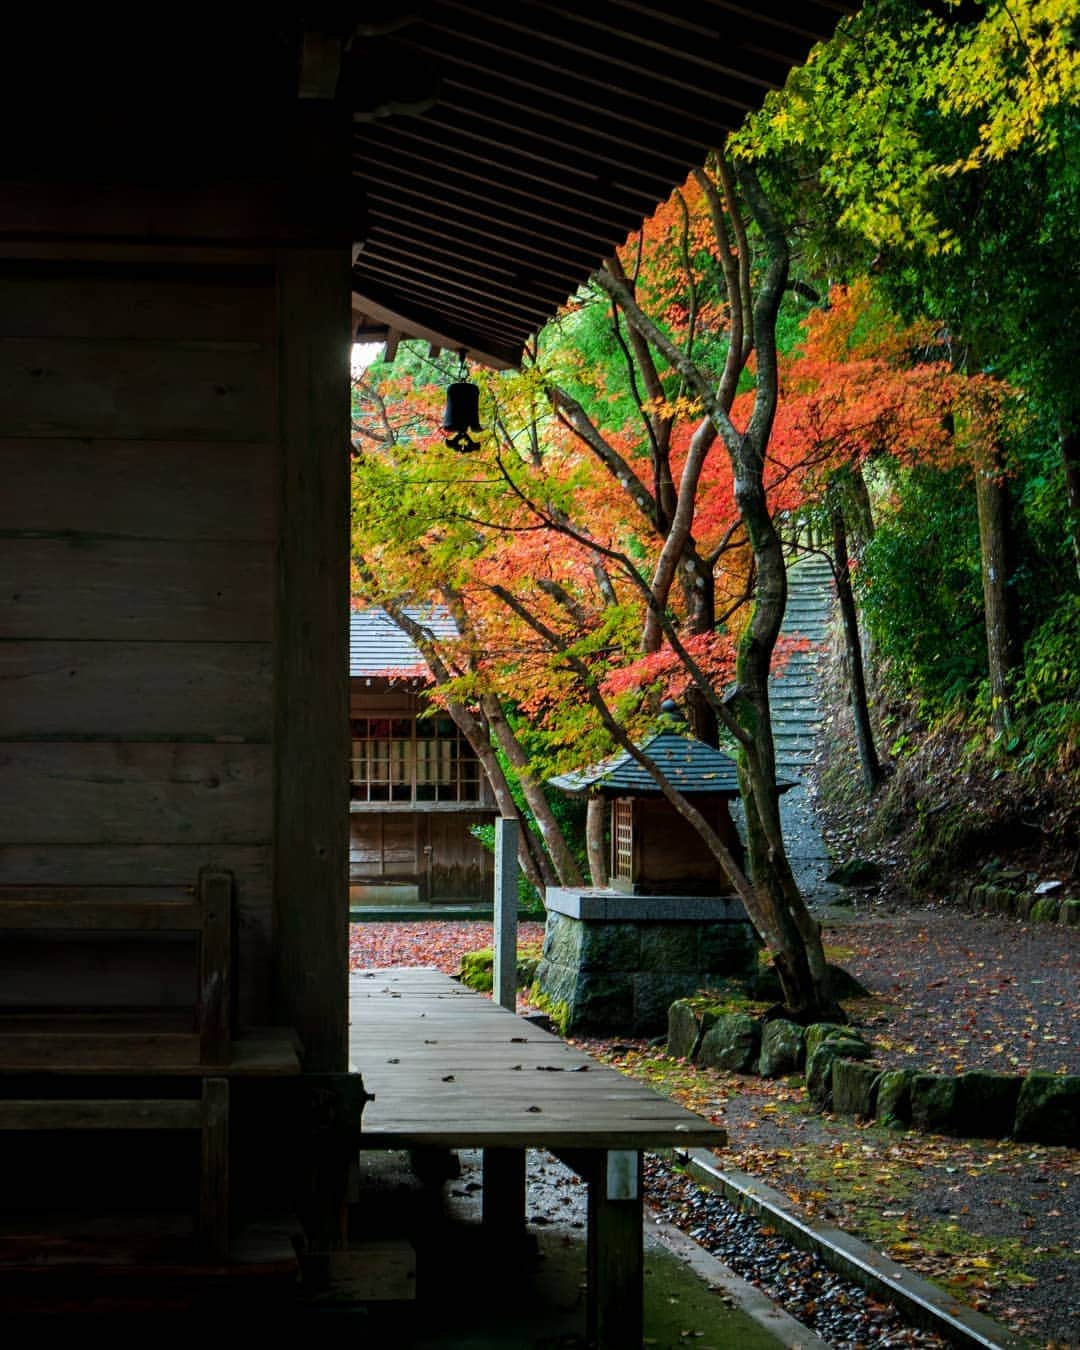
(614, 964)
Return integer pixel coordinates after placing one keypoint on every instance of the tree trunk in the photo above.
(864, 733)
(1070, 454)
(772, 898)
(533, 861)
(564, 862)
(596, 816)
(858, 510)
(779, 908)
(992, 499)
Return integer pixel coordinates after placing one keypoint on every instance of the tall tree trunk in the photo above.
(596, 818)
(801, 965)
(992, 499)
(864, 733)
(858, 511)
(564, 862)
(859, 518)
(1070, 454)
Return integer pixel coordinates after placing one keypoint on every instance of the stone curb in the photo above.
(924, 1303)
(986, 897)
(747, 1297)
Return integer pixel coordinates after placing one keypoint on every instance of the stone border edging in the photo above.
(925, 1303)
(994, 898)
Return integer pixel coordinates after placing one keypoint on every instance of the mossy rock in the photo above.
(821, 1031)
(986, 1104)
(477, 970)
(1069, 913)
(1045, 910)
(854, 1087)
(732, 1042)
(1048, 1109)
(782, 1047)
(855, 872)
(684, 1029)
(893, 1105)
(934, 1103)
(845, 985)
(819, 1065)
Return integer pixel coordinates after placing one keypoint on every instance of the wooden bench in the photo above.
(453, 1070)
(104, 1044)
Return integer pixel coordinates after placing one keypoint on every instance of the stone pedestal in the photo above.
(613, 963)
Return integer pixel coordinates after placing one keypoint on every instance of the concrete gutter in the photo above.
(923, 1303)
(733, 1290)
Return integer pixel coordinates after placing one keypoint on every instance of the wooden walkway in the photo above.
(450, 1069)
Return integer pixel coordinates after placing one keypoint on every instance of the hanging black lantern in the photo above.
(462, 414)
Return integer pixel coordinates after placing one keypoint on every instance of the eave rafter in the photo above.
(504, 151)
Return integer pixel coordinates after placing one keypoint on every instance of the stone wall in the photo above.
(842, 1076)
(613, 964)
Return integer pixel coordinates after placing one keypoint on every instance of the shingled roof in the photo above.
(378, 649)
(690, 765)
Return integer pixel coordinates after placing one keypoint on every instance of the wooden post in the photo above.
(503, 1212)
(616, 1259)
(215, 966)
(505, 973)
(214, 1173)
(311, 725)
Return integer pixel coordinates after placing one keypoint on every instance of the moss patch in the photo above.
(558, 1011)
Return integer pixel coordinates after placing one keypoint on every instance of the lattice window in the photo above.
(622, 820)
(407, 759)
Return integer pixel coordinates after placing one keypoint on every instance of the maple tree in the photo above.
(591, 633)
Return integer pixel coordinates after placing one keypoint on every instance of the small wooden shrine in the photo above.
(654, 851)
(668, 923)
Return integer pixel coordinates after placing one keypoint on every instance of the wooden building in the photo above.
(416, 788)
(653, 850)
(196, 219)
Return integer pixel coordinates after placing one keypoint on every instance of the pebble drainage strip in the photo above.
(845, 1292)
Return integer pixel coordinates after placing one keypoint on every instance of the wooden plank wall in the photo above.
(138, 519)
(392, 847)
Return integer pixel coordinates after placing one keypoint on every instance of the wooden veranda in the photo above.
(450, 1069)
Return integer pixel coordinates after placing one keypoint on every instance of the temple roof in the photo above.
(692, 766)
(379, 649)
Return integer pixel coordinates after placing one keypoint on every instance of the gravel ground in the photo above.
(838, 1311)
(962, 991)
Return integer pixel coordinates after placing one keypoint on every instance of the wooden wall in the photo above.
(138, 529)
(431, 850)
(670, 856)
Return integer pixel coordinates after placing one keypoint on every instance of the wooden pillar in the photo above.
(504, 974)
(214, 1168)
(503, 1212)
(311, 731)
(616, 1258)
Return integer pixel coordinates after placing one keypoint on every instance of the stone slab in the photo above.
(613, 907)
